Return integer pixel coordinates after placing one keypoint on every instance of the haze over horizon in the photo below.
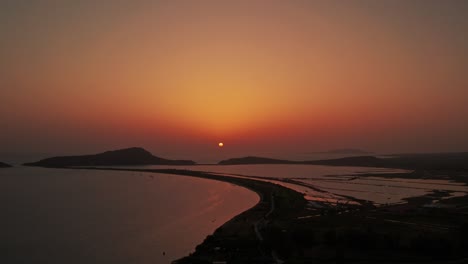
(177, 77)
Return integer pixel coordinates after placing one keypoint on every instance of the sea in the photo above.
(84, 216)
(90, 216)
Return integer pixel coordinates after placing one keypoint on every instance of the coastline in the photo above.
(283, 225)
(110, 216)
(242, 239)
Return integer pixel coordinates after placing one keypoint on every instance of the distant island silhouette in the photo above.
(348, 161)
(140, 156)
(433, 161)
(345, 151)
(125, 157)
(255, 160)
(4, 165)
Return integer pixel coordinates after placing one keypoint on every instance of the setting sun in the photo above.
(340, 117)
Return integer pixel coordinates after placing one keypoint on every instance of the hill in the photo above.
(254, 160)
(348, 161)
(4, 165)
(433, 161)
(122, 157)
(346, 151)
(360, 161)
(429, 161)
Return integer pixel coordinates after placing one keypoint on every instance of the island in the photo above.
(347, 151)
(4, 165)
(284, 227)
(254, 160)
(122, 157)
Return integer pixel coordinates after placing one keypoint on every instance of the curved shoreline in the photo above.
(239, 240)
(284, 225)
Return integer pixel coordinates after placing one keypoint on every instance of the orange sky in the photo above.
(177, 77)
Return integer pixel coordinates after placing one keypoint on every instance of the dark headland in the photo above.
(254, 160)
(121, 157)
(283, 226)
(4, 165)
(346, 151)
(368, 161)
(434, 161)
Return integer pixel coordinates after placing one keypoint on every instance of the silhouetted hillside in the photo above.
(438, 161)
(4, 165)
(130, 156)
(254, 160)
(430, 161)
(348, 161)
(360, 161)
(434, 161)
(346, 151)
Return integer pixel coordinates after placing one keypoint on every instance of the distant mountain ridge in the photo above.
(254, 160)
(346, 151)
(436, 161)
(125, 157)
(360, 161)
(348, 161)
(4, 165)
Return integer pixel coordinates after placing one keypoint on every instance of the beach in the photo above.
(284, 226)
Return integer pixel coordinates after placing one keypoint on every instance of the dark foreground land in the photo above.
(284, 228)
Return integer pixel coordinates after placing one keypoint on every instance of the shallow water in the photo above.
(84, 216)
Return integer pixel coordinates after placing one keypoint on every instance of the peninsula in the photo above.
(285, 228)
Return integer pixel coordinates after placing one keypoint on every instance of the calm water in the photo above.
(78, 216)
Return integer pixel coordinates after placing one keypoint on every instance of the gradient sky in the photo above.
(177, 77)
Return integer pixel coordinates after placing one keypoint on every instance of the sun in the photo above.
(220, 144)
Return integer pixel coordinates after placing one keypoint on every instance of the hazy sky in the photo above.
(177, 77)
